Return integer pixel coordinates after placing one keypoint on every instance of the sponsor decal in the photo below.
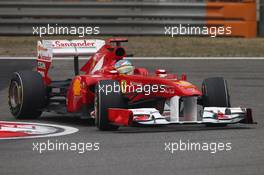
(84, 43)
(22, 130)
(44, 51)
(186, 85)
(183, 83)
(41, 65)
(44, 58)
(168, 89)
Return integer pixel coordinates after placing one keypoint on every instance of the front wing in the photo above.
(151, 116)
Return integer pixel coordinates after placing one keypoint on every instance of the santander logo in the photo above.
(80, 43)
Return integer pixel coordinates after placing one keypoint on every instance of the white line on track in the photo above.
(146, 58)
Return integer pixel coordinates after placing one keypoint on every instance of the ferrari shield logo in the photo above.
(123, 86)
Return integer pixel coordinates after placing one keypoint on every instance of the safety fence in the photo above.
(129, 17)
(261, 18)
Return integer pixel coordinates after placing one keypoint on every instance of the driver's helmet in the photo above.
(124, 67)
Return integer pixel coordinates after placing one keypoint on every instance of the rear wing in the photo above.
(47, 49)
(61, 48)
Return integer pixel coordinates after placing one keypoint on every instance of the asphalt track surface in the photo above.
(141, 150)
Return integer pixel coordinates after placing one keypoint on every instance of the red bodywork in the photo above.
(100, 66)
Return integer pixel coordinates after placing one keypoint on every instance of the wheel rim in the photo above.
(15, 95)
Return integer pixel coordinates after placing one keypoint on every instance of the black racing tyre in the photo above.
(26, 95)
(103, 101)
(215, 92)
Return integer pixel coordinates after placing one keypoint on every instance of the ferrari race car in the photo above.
(113, 98)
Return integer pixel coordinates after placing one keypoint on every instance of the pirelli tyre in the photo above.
(26, 95)
(105, 100)
(215, 92)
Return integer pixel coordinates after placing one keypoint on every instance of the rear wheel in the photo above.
(26, 95)
(104, 101)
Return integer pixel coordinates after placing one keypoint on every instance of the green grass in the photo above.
(148, 46)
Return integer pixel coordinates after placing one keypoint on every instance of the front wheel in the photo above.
(105, 100)
(215, 92)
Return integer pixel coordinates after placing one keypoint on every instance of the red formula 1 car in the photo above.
(114, 99)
